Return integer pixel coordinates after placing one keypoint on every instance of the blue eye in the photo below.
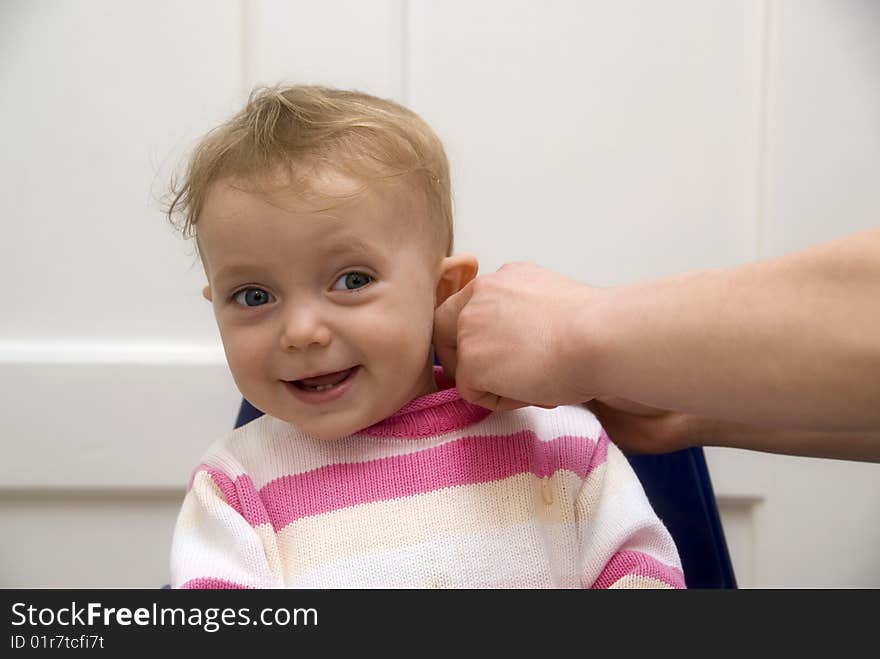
(351, 281)
(252, 297)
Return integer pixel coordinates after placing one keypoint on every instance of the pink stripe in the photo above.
(253, 509)
(210, 583)
(240, 494)
(466, 461)
(628, 562)
(436, 413)
(444, 412)
(226, 485)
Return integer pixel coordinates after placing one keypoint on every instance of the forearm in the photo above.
(791, 342)
(840, 445)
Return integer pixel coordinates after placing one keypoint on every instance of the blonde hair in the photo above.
(308, 129)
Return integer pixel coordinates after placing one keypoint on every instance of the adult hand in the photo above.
(506, 339)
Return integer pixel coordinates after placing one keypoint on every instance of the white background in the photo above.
(611, 141)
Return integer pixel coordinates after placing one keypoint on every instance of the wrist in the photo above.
(585, 342)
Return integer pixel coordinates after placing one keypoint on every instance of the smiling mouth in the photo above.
(323, 382)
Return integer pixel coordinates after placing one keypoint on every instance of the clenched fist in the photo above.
(507, 338)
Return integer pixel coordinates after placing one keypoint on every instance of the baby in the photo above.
(323, 220)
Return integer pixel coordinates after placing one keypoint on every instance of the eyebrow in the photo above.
(347, 245)
(233, 271)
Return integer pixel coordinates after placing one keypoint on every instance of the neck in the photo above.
(427, 384)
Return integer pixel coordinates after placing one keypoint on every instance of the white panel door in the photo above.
(110, 376)
(611, 141)
(814, 522)
(615, 141)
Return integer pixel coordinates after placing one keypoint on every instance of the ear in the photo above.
(455, 273)
(206, 293)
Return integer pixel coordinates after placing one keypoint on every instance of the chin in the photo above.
(331, 433)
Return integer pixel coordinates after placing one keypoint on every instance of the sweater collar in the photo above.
(443, 411)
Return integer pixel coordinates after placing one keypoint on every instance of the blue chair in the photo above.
(679, 488)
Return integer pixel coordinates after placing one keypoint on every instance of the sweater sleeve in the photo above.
(623, 542)
(220, 540)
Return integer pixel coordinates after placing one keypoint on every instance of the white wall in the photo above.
(610, 141)
(813, 522)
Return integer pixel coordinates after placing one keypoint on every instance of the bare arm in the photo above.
(637, 428)
(841, 445)
(792, 342)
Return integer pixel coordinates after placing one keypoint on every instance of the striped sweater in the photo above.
(443, 494)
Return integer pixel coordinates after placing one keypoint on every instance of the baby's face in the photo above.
(326, 316)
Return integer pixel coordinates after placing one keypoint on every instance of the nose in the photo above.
(304, 327)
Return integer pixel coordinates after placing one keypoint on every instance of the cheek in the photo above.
(243, 347)
(400, 331)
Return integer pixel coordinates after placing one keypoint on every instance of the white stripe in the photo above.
(268, 448)
(633, 581)
(526, 555)
(213, 540)
(379, 526)
(621, 519)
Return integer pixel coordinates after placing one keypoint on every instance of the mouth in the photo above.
(323, 388)
(324, 381)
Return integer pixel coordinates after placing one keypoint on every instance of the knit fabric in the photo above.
(442, 494)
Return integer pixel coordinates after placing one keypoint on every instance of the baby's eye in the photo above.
(252, 297)
(351, 281)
